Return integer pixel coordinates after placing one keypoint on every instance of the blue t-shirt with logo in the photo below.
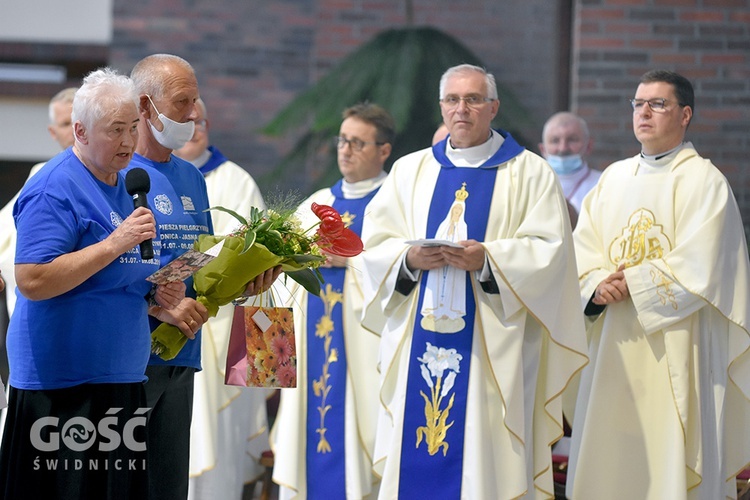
(178, 198)
(98, 332)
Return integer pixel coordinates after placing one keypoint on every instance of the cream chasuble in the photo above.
(528, 339)
(663, 408)
(290, 431)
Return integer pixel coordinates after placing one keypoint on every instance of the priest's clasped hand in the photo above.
(469, 258)
(612, 289)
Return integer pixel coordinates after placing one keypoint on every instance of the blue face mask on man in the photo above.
(563, 165)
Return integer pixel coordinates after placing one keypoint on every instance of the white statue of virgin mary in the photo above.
(444, 304)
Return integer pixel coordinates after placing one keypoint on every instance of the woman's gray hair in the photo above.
(102, 91)
(489, 79)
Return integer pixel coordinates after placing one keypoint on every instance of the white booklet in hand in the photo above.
(433, 243)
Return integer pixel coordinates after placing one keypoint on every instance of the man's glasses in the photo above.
(472, 101)
(356, 144)
(659, 105)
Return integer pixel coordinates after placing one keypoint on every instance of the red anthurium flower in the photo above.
(334, 238)
(325, 211)
(348, 244)
(331, 224)
(330, 227)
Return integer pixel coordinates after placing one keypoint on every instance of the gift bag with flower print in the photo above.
(262, 349)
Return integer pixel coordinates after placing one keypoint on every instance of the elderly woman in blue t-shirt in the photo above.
(78, 340)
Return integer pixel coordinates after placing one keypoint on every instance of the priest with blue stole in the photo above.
(324, 433)
(471, 284)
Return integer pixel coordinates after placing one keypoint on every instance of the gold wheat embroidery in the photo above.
(321, 387)
(664, 288)
(435, 362)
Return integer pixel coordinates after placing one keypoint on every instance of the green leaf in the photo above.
(230, 212)
(256, 214)
(263, 226)
(250, 236)
(310, 280)
(305, 258)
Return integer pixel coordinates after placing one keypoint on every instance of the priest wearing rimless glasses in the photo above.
(471, 284)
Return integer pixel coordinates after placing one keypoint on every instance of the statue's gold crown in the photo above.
(462, 193)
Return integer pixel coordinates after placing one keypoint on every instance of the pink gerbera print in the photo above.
(287, 375)
(282, 349)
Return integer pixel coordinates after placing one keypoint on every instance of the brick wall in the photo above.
(253, 57)
(708, 41)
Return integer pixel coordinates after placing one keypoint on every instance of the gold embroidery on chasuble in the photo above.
(442, 365)
(321, 387)
(664, 288)
(641, 240)
(348, 218)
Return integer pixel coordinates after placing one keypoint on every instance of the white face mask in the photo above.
(565, 164)
(175, 135)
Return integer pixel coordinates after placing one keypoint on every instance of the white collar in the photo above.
(658, 161)
(475, 155)
(202, 159)
(360, 189)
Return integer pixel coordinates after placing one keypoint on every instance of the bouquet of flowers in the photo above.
(267, 239)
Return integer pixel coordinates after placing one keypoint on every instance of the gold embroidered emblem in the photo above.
(321, 388)
(348, 218)
(664, 288)
(643, 239)
(435, 362)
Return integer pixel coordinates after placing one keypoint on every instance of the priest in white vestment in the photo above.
(471, 413)
(323, 437)
(664, 406)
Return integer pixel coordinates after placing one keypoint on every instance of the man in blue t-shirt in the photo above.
(168, 91)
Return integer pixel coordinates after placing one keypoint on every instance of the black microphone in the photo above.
(138, 183)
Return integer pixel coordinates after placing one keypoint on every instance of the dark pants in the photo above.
(82, 442)
(169, 394)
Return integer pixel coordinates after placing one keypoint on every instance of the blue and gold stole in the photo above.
(432, 449)
(327, 368)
